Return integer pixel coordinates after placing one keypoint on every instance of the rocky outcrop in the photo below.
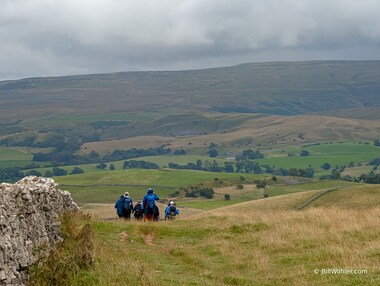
(28, 218)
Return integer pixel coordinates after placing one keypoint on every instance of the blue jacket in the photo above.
(119, 205)
(150, 196)
(168, 210)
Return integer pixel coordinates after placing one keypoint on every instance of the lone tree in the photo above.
(326, 166)
(261, 184)
(213, 153)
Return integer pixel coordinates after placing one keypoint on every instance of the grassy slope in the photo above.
(89, 187)
(261, 243)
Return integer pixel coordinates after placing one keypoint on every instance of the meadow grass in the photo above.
(359, 197)
(262, 242)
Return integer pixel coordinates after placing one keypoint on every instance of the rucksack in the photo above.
(127, 203)
(151, 201)
(138, 210)
(172, 211)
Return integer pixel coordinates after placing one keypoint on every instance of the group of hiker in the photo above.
(146, 210)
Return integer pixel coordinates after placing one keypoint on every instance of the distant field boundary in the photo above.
(117, 185)
(309, 201)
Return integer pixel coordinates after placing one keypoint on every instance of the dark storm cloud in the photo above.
(47, 37)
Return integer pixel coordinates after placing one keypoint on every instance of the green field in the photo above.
(102, 187)
(14, 158)
(334, 154)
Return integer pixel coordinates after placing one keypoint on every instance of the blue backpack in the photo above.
(127, 204)
(151, 201)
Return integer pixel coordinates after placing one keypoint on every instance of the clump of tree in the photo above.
(101, 166)
(59, 171)
(304, 153)
(179, 152)
(118, 155)
(196, 191)
(306, 173)
(133, 164)
(213, 153)
(370, 178)
(249, 154)
(375, 162)
(207, 193)
(206, 166)
(11, 175)
(33, 173)
(76, 170)
(376, 143)
(248, 166)
(326, 166)
(334, 175)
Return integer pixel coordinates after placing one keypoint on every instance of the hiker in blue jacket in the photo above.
(148, 204)
(171, 211)
(127, 206)
(119, 206)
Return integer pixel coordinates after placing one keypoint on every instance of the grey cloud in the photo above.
(46, 37)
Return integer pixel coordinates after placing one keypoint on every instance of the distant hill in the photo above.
(279, 88)
(232, 130)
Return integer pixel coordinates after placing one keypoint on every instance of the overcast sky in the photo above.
(61, 37)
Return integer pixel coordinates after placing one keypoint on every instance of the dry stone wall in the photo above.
(28, 218)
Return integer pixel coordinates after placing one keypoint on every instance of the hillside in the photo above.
(282, 88)
(253, 243)
(273, 107)
(234, 132)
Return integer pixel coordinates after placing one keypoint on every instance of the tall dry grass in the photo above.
(287, 246)
(248, 244)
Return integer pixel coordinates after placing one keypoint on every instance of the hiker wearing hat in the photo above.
(149, 202)
(127, 206)
(138, 211)
(171, 211)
